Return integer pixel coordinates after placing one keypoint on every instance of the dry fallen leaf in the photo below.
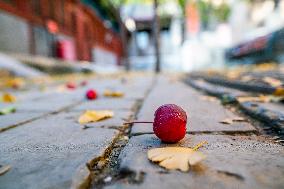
(109, 93)
(261, 98)
(15, 83)
(4, 169)
(176, 157)
(246, 78)
(94, 116)
(8, 98)
(227, 121)
(279, 91)
(231, 120)
(272, 81)
(209, 98)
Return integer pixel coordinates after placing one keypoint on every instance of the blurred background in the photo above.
(58, 36)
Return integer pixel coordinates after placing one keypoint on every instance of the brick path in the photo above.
(47, 148)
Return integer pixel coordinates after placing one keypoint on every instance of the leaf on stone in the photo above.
(110, 93)
(279, 91)
(95, 116)
(4, 169)
(209, 98)
(272, 81)
(246, 78)
(7, 110)
(227, 121)
(15, 83)
(232, 120)
(8, 98)
(173, 158)
(261, 98)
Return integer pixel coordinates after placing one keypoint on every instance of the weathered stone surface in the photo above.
(232, 162)
(203, 115)
(106, 103)
(133, 87)
(46, 153)
(39, 106)
(215, 90)
(11, 120)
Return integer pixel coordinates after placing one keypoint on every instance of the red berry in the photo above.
(170, 123)
(91, 94)
(71, 85)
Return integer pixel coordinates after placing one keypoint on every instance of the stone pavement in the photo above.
(47, 148)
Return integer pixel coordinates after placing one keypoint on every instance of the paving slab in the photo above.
(203, 115)
(106, 103)
(232, 162)
(133, 87)
(38, 106)
(14, 119)
(47, 153)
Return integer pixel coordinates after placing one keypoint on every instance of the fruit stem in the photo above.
(138, 122)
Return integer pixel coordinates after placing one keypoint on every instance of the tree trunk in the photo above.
(156, 28)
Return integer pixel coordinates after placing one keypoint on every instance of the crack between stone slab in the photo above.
(230, 174)
(39, 117)
(233, 133)
(107, 166)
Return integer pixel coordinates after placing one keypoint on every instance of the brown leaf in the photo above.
(176, 157)
(94, 116)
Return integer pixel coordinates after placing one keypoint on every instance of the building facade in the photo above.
(66, 29)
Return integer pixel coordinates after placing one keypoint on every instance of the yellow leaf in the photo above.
(261, 98)
(272, 81)
(279, 91)
(110, 93)
(94, 116)
(15, 83)
(176, 157)
(8, 98)
(209, 98)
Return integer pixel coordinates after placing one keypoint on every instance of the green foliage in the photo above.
(222, 12)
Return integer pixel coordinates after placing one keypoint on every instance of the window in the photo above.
(36, 8)
(11, 2)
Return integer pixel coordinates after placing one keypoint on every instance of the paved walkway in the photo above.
(47, 148)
